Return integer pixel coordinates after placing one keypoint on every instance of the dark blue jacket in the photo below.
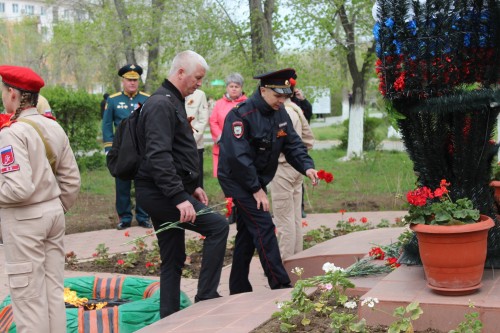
(253, 137)
(118, 107)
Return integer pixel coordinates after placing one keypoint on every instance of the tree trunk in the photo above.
(126, 31)
(355, 148)
(346, 104)
(158, 7)
(261, 33)
(356, 117)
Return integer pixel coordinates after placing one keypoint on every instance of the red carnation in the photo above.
(229, 206)
(328, 177)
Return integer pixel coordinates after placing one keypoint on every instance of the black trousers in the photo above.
(255, 230)
(172, 246)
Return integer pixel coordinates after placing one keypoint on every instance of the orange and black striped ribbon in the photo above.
(98, 321)
(151, 289)
(6, 318)
(108, 288)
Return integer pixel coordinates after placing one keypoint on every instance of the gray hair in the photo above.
(234, 78)
(188, 61)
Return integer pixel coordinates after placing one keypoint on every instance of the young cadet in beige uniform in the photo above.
(34, 195)
(286, 190)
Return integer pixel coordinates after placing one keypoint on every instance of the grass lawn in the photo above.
(368, 184)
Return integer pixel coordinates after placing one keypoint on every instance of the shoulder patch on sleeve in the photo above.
(238, 129)
(10, 168)
(7, 155)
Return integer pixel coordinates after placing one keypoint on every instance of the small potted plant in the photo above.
(452, 238)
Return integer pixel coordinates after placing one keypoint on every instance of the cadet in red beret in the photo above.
(40, 182)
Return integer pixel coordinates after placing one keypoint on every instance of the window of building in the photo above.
(42, 10)
(2, 7)
(29, 9)
(66, 13)
(15, 8)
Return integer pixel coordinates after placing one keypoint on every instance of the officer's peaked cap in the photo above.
(130, 71)
(279, 81)
(22, 78)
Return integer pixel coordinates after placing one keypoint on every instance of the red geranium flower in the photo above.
(149, 264)
(304, 224)
(364, 220)
(127, 234)
(120, 262)
(419, 196)
(351, 220)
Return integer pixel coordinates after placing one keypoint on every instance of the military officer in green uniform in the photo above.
(118, 107)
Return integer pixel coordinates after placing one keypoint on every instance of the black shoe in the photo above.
(145, 224)
(123, 225)
(304, 215)
(199, 299)
(285, 286)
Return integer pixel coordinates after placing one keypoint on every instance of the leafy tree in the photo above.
(344, 27)
(23, 45)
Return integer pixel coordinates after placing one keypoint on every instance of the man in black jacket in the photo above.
(254, 134)
(167, 183)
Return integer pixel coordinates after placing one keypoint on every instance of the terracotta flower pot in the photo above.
(496, 186)
(453, 256)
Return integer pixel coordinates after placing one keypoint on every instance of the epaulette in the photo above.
(143, 93)
(7, 124)
(50, 116)
(115, 94)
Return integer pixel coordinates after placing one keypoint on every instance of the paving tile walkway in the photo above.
(84, 245)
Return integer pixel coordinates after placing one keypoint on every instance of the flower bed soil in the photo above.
(191, 268)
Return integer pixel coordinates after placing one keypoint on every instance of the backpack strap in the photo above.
(48, 150)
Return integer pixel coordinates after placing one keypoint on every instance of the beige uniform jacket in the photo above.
(25, 174)
(300, 125)
(197, 107)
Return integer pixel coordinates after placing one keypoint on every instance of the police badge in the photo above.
(237, 129)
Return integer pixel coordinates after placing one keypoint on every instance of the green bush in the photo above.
(375, 130)
(78, 113)
(91, 162)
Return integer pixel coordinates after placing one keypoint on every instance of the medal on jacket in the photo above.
(238, 129)
(281, 133)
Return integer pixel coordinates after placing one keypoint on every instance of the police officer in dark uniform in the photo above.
(255, 133)
(118, 107)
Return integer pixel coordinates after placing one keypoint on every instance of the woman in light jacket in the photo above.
(233, 96)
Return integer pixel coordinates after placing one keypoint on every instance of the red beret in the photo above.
(22, 78)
